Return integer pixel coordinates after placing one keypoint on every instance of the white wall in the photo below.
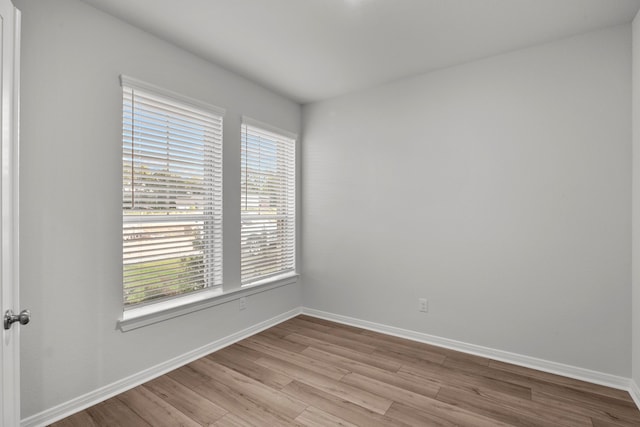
(636, 203)
(498, 189)
(71, 253)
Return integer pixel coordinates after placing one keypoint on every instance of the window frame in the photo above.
(154, 306)
(281, 133)
(152, 313)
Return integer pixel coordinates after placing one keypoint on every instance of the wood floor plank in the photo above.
(235, 360)
(404, 358)
(601, 423)
(305, 323)
(407, 354)
(114, 413)
(440, 414)
(313, 372)
(497, 374)
(415, 417)
(251, 412)
(232, 420)
(279, 343)
(511, 410)
(426, 347)
(563, 381)
(570, 388)
(583, 398)
(201, 410)
(465, 380)
(318, 366)
(189, 377)
(421, 385)
(313, 417)
(416, 349)
(275, 333)
(391, 392)
(236, 403)
(368, 358)
(339, 407)
(236, 350)
(343, 391)
(254, 390)
(81, 419)
(622, 415)
(355, 334)
(333, 339)
(154, 410)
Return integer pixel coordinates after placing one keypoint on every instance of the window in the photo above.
(171, 194)
(268, 202)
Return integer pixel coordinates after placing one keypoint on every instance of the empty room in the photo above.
(320, 212)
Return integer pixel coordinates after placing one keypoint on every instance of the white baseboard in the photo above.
(82, 402)
(575, 372)
(634, 391)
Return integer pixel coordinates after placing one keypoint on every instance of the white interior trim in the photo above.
(634, 391)
(148, 87)
(82, 402)
(270, 128)
(10, 390)
(149, 314)
(575, 372)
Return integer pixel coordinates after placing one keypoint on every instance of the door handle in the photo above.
(10, 318)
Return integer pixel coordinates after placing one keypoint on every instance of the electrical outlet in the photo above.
(423, 305)
(242, 303)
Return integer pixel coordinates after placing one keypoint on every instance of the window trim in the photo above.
(175, 96)
(146, 308)
(153, 313)
(270, 128)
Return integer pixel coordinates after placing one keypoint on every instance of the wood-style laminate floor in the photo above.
(312, 372)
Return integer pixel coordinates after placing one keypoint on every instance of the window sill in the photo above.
(154, 313)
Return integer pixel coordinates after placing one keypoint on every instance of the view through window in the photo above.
(172, 194)
(268, 203)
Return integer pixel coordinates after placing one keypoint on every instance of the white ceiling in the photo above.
(310, 50)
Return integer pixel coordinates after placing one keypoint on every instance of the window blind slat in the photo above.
(163, 104)
(180, 147)
(268, 204)
(172, 197)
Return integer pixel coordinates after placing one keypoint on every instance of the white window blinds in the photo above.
(268, 203)
(172, 194)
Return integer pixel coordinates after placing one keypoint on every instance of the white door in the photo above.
(9, 108)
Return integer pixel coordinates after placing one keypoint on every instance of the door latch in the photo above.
(10, 318)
